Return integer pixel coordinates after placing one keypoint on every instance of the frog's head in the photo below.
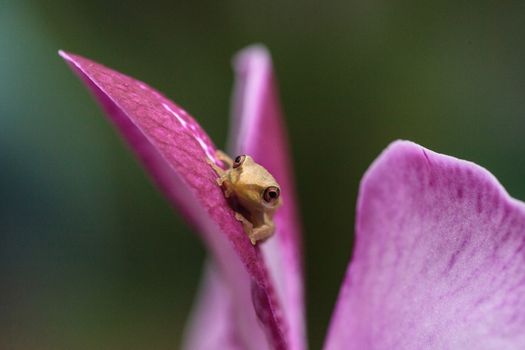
(253, 185)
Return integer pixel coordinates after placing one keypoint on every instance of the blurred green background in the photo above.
(92, 256)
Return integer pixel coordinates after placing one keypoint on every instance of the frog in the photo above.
(252, 192)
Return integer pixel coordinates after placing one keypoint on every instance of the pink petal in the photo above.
(175, 150)
(439, 261)
(258, 130)
(213, 314)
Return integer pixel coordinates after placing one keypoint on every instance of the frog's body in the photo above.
(253, 193)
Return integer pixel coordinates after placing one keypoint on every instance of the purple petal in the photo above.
(175, 150)
(439, 261)
(258, 130)
(213, 313)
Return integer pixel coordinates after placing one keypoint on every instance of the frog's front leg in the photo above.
(262, 233)
(255, 234)
(246, 225)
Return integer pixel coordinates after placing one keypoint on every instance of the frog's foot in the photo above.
(261, 233)
(246, 224)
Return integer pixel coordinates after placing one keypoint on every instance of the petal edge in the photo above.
(439, 260)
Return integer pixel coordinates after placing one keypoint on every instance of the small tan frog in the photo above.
(252, 192)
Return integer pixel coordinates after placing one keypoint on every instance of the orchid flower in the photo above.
(439, 260)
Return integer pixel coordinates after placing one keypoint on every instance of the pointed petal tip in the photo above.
(65, 55)
(73, 61)
(254, 49)
(256, 54)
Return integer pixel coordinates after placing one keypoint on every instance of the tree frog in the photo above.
(252, 192)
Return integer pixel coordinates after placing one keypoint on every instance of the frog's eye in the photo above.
(271, 194)
(238, 161)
